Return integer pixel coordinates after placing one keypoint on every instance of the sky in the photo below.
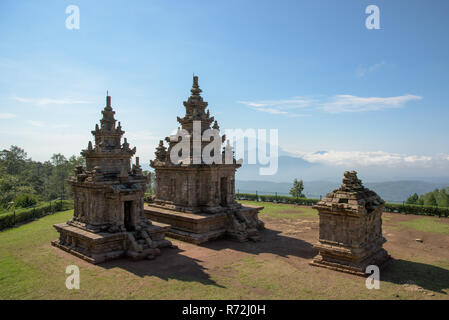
(337, 92)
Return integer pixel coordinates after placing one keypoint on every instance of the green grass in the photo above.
(30, 268)
(279, 210)
(433, 225)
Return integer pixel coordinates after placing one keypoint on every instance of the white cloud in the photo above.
(271, 110)
(7, 116)
(49, 101)
(349, 103)
(279, 107)
(362, 71)
(35, 123)
(337, 104)
(375, 158)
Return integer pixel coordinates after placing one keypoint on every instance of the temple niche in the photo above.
(196, 197)
(351, 228)
(108, 220)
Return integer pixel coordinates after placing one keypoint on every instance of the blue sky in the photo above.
(308, 68)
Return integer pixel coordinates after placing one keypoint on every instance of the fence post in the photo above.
(14, 216)
(257, 197)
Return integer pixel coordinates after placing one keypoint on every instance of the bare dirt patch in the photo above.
(277, 267)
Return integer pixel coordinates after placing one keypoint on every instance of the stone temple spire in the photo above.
(108, 140)
(196, 109)
(108, 120)
(196, 91)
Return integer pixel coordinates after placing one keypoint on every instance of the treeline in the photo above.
(437, 197)
(24, 182)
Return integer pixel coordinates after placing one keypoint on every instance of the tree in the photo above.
(444, 198)
(432, 201)
(420, 201)
(413, 199)
(296, 190)
(13, 159)
(25, 200)
(43, 180)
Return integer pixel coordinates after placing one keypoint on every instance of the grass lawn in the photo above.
(279, 210)
(276, 268)
(434, 225)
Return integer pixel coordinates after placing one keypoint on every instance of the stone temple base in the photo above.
(349, 260)
(100, 247)
(241, 224)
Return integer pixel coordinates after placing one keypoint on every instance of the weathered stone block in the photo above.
(350, 237)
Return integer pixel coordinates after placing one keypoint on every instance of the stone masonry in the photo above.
(108, 220)
(351, 228)
(198, 199)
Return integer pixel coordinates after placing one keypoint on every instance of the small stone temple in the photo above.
(198, 199)
(351, 228)
(109, 221)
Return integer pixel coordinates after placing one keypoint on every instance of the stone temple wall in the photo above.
(350, 236)
(109, 219)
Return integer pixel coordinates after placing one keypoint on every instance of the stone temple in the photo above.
(351, 228)
(109, 221)
(197, 199)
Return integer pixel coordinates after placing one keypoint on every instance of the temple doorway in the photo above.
(224, 191)
(127, 216)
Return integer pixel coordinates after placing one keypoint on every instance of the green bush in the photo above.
(25, 200)
(417, 209)
(389, 207)
(275, 198)
(22, 215)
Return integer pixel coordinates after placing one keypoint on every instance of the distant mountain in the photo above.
(400, 190)
(392, 184)
(290, 167)
(390, 191)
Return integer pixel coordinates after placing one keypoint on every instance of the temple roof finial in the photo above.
(108, 100)
(196, 91)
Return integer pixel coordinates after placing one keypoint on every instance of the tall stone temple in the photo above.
(351, 228)
(109, 220)
(195, 197)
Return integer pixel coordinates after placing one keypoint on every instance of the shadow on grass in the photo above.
(428, 277)
(272, 242)
(169, 265)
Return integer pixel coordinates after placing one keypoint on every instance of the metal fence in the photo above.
(307, 195)
(275, 193)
